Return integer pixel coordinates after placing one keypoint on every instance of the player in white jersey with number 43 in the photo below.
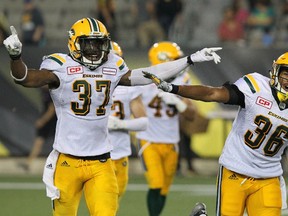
(81, 85)
(159, 143)
(250, 174)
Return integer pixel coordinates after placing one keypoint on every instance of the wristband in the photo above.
(189, 60)
(175, 89)
(23, 78)
(15, 57)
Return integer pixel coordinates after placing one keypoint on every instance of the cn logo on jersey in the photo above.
(264, 102)
(75, 70)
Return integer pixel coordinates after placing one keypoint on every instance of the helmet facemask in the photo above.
(94, 51)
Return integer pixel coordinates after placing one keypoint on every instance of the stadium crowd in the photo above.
(134, 23)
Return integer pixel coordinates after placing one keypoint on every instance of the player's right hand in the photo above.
(161, 84)
(13, 44)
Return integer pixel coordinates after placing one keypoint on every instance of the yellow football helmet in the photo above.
(163, 52)
(277, 67)
(89, 42)
(116, 49)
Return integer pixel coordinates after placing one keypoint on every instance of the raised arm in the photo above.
(19, 71)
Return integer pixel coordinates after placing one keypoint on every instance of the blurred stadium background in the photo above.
(20, 106)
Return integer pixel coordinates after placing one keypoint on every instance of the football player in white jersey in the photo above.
(127, 102)
(81, 85)
(159, 143)
(250, 174)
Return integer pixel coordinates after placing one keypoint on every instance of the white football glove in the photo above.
(171, 99)
(115, 123)
(13, 44)
(206, 54)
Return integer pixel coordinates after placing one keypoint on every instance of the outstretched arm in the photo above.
(170, 69)
(195, 92)
(204, 93)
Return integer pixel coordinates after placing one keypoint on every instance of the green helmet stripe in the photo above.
(93, 25)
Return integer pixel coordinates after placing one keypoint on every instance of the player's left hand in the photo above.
(161, 84)
(207, 54)
(171, 99)
(13, 44)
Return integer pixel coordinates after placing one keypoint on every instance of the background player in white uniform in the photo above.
(127, 102)
(159, 143)
(81, 86)
(250, 174)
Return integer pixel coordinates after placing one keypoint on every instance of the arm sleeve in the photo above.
(137, 124)
(236, 96)
(163, 71)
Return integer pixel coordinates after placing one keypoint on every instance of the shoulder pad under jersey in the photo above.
(251, 81)
(53, 61)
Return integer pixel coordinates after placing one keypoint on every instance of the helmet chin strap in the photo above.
(282, 99)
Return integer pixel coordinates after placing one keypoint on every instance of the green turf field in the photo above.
(25, 196)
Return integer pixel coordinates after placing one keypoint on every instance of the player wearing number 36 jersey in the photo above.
(262, 128)
(250, 174)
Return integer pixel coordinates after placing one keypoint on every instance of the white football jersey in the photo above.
(82, 103)
(259, 133)
(120, 139)
(163, 120)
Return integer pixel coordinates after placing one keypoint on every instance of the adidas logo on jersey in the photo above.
(64, 163)
(233, 177)
(49, 166)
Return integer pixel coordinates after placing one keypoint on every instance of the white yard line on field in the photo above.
(204, 189)
(195, 189)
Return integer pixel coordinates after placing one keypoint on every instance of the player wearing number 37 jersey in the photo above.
(81, 85)
(250, 174)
